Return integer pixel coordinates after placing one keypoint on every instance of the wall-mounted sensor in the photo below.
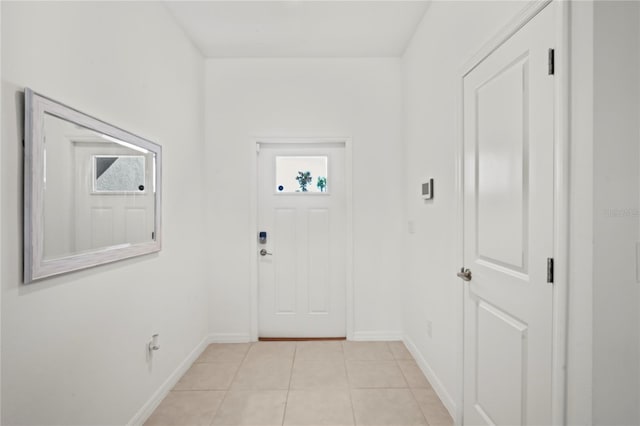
(427, 190)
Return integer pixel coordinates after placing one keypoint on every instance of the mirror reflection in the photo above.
(99, 191)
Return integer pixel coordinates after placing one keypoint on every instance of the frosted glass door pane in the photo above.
(120, 173)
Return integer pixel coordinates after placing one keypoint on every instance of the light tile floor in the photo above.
(303, 383)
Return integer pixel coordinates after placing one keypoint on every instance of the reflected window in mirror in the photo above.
(119, 174)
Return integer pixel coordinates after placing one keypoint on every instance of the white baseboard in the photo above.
(360, 336)
(436, 384)
(147, 409)
(229, 338)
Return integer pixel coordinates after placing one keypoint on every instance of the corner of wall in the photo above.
(434, 380)
(154, 401)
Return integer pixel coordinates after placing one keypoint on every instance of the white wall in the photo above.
(603, 346)
(450, 33)
(616, 354)
(358, 98)
(74, 347)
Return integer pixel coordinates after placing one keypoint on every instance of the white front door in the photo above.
(508, 230)
(302, 261)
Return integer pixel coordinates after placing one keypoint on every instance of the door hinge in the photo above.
(258, 148)
(550, 269)
(552, 61)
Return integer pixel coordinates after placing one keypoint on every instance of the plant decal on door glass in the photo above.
(322, 183)
(304, 179)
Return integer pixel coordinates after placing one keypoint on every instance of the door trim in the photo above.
(253, 221)
(560, 196)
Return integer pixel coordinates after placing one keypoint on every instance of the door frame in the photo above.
(560, 193)
(253, 221)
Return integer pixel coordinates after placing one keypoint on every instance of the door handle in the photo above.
(264, 252)
(465, 274)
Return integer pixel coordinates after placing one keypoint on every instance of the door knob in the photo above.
(264, 252)
(465, 274)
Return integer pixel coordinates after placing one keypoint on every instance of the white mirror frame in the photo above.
(35, 266)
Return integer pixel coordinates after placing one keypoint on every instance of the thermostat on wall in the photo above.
(427, 190)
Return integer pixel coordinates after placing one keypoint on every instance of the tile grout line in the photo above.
(404, 377)
(195, 363)
(419, 406)
(413, 395)
(229, 388)
(286, 401)
(346, 372)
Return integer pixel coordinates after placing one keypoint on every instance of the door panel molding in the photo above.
(319, 271)
(254, 147)
(494, 217)
(284, 245)
(505, 361)
(560, 195)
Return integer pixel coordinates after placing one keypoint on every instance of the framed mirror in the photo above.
(92, 191)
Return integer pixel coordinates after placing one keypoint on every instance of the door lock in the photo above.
(465, 274)
(264, 252)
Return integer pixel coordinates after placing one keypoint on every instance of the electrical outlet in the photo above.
(429, 327)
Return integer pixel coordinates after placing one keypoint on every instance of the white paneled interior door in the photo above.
(108, 219)
(302, 267)
(508, 230)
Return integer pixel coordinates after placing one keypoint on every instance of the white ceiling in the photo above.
(299, 28)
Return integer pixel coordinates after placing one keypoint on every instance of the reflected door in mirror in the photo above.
(99, 192)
